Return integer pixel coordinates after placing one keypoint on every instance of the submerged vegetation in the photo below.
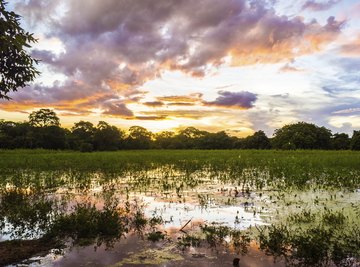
(298, 206)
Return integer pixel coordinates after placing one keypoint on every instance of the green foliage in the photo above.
(187, 241)
(155, 236)
(355, 141)
(340, 141)
(256, 141)
(107, 137)
(301, 135)
(16, 65)
(86, 222)
(332, 239)
(27, 213)
(138, 138)
(43, 131)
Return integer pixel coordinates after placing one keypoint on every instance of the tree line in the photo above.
(43, 130)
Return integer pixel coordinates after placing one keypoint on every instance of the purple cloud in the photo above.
(113, 47)
(319, 6)
(117, 109)
(243, 100)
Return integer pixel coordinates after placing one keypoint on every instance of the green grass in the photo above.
(256, 167)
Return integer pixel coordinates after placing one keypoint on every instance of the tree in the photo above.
(16, 135)
(355, 141)
(256, 141)
(219, 140)
(107, 137)
(190, 137)
(164, 140)
(139, 138)
(302, 135)
(44, 117)
(16, 65)
(340, 141)
(82, 136)
(50, 137)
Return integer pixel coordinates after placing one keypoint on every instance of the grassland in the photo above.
(280, 168)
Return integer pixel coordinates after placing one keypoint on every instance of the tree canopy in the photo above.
(302, 135)
(43, 130)
(16, 65)
(44, 117)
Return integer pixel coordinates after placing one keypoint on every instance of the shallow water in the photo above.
(183, 201)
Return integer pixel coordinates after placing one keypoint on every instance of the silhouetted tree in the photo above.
(355, 141)
(256, 141)
(44, 117)
(16, 65)
(139, 138)
(189, 138)
(50, 137)
(165, 140)
(219, 140)
(107, 137)
(82, 136)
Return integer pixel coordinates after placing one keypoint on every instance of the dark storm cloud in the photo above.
(242, 100)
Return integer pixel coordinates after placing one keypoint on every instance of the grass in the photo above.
(254, 168)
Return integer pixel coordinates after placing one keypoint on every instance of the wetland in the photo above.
(180, 208)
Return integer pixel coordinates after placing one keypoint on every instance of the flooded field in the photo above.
(180, 208)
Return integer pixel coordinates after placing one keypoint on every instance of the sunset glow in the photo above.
(232, 65)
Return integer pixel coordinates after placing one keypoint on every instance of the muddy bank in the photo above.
(15, 251)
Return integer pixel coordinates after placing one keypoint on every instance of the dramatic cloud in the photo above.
(319, 6)
(242, 100)
(119, 45)
(140, 59)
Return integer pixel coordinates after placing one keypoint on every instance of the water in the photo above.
(183, 201)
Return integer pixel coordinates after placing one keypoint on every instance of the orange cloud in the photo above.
(192, 98)
(352, 48)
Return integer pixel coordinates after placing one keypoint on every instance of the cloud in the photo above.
(181, 104)
(351, 48)
(194, 114)
(288, 68)
(117, 109)
(319, 6)
(242, 100)
(347, 111)
(111, 47)
(149, 118)
(153, 103)
(192, 98)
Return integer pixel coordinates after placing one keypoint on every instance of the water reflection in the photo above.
(212, 207)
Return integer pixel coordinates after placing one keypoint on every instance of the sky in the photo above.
(234, 65)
